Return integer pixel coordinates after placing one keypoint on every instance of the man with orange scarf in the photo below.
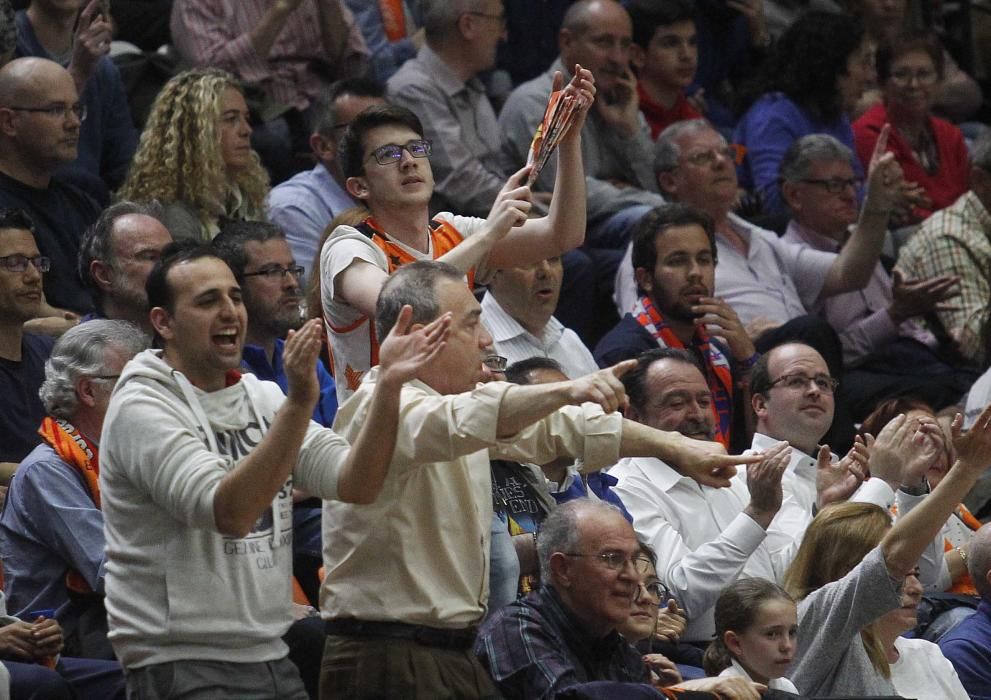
(51, 529)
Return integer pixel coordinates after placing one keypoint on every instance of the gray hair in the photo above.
(813, 148)
(414, 284)
(440, 17)
(666, 149)
(560, 532)
(82, 352)
(980, 153)
(95, 244)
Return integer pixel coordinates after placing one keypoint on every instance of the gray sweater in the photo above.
(831, 659)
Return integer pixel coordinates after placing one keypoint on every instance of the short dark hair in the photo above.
(160, 293)
(235, 235)
(635, 380)
(414, 284)
(657, 221)
(13, 218)
(649, 15)
(95, 243)
(324, 115)
(895, 47)
(518, 371)
(351, 151)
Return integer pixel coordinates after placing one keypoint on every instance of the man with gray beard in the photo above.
(704, 537)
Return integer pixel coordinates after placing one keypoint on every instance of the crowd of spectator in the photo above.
(315, 387)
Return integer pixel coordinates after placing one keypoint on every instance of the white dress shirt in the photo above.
(702, 537)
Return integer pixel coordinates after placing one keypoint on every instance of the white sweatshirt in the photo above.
(176, 588)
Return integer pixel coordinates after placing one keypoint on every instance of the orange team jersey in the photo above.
(443, 237)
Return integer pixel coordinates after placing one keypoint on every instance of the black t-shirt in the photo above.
(61, 213)
(21, 410)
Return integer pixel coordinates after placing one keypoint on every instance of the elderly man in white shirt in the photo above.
(518, 311)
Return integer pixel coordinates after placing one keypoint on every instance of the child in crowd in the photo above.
(756, 629)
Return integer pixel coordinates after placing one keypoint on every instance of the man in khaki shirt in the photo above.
(407, 576)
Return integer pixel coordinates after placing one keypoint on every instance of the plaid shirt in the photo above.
(534, 648)
(957, 241)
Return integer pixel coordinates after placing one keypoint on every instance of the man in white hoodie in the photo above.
(197, 467)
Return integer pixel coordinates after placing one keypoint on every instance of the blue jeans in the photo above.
(504, 565)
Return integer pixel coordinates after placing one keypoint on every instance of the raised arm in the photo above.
(904, 544)
(857, 259)
(564, 227)
(244, 494)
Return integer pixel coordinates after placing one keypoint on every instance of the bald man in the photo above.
(40, 118)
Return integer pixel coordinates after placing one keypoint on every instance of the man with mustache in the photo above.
(704, 537)
(674, 259)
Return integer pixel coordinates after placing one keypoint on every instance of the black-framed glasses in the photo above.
(617, 560)
(656, 589)
(393, 152)
(277, 272)
(57, 111)
(835, 185)
(19, 263)
(823, 382)
(496, 363)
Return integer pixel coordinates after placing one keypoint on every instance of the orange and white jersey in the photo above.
(351, 334)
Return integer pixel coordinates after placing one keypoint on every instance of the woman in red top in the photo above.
(931, 151)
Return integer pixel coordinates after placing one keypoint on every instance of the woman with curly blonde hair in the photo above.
(195, 156)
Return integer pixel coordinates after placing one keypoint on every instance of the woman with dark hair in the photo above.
(931, 151)
(852, 565)
(814, 79)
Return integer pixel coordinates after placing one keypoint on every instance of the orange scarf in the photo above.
(74, 449)
(393, 19)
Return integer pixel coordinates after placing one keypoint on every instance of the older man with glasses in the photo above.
(40, 121)
(887, 351)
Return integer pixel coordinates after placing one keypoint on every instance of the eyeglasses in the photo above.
(823, 382)
(496, 363)
(393, 152)
(106, 377)
(19, 263)
(500, 18)
(922, 77)
(57, 111)
(835, 185)
(617, 560)
(277, 272)
(704, 158)
(655, 589)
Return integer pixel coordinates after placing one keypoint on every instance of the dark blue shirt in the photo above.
(968, 647)
(253, 360)
(107, 139)
(21, 410)
(61, 213)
